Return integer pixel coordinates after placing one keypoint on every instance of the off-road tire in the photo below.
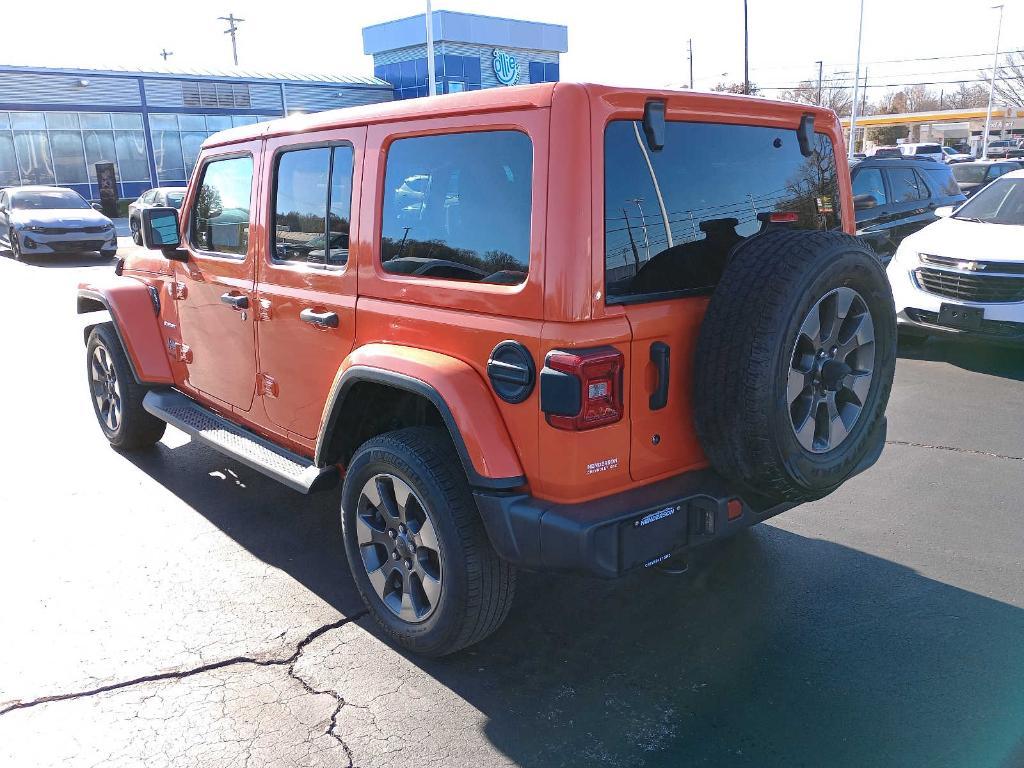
(136, 427)
(742, 416)
(477, 585)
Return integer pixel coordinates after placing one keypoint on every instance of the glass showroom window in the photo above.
(64, 147)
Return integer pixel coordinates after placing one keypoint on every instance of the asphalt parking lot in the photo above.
(175, 608)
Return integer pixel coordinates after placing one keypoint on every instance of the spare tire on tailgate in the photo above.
(795, 362)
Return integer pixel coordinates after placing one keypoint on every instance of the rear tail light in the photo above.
(582, 389)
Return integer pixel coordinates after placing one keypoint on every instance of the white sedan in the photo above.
(963, 276)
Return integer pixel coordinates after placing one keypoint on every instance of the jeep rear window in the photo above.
(673, 216)
(457, 207)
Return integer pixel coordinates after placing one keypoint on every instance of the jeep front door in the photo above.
(307, 283)
(214, 289)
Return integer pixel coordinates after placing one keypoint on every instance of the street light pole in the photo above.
(746, 51)
(431, 85)
(856, 84)
(992, 86)
(820, 65)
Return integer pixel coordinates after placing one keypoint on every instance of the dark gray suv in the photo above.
(895, 197)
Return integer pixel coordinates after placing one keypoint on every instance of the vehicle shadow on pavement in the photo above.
(65, 261)
(784, 650)
(777, 649)
(300, 535)
(1005, 362)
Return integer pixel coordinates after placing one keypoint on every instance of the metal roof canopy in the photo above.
(937, 116)
(206, 74)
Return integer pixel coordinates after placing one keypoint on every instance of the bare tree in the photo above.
(837, 98)
(735, 88)
(1009, 80)
(966, 97)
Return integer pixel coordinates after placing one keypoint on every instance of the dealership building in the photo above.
(56, 124)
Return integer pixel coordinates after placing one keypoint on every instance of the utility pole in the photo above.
(691, 62)
(856, 84)
(820, 65)
(231, 30)
(165, 53)
(746, 51)
(431, 85)
(992, 86)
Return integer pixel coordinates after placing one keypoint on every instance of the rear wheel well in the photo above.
(371, 409)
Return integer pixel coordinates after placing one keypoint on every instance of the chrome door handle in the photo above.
(238, 302)
(322, 319)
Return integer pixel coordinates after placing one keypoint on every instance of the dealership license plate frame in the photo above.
(961, 317)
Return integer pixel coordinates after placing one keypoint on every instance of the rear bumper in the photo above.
(616, 534)
(639, 528)
(925, 323)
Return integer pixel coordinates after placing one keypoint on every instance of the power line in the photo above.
(891, 61)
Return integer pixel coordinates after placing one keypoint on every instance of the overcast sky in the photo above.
(636, 42)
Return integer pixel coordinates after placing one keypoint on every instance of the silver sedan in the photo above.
(45, 220)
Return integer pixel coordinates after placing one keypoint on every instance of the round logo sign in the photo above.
(506, 67)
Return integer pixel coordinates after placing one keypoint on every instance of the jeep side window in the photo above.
(312, 204)
(457, 207)
(220, 216)
(673, 216)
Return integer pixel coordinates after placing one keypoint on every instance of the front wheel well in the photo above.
(372, 408)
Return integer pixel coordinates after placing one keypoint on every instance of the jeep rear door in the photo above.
(307, 274)
(213, 290)
(671, 218)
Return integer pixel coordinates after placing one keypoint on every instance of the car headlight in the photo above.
(32, 228)
(108, 226)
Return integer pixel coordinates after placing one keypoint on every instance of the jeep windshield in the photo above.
(1001, 202)
(673, 216)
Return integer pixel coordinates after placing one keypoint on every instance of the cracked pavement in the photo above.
(172, 608)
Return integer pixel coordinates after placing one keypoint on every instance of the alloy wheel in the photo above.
(399, 547)
(830, 370)
(15, 246)
(106, 390)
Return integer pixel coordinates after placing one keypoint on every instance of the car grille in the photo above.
(968, 286)
(68, 230)
(1000, 267)
(76, 245)
(1004, 328)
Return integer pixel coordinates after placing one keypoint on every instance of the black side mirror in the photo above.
(97, 207)
(160, 232)
(863, 202)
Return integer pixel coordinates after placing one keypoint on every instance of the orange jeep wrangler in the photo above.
(555, 327)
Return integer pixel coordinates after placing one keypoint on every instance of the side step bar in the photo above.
(297, 472)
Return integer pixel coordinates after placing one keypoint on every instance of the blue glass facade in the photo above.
(452, 73)
(466, 47)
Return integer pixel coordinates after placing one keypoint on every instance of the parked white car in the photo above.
(930, 150)
(963, 275)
